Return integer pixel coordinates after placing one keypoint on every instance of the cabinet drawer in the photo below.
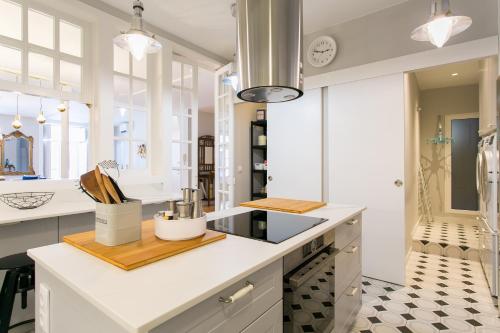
(347, 307)
(347, 266)
(347, 232)
(212, 315)
(269, 322)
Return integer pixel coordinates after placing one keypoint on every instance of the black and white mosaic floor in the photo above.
(442, 295)
(455, 240)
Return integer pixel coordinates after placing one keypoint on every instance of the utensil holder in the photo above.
(175, 230)
(117, 224)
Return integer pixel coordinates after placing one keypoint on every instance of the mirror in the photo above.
(16, 152)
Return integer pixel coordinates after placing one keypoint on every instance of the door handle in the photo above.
(270, 178)
(398, 182)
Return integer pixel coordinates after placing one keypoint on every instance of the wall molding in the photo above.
(479, 48)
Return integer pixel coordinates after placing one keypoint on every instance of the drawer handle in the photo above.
(353, 222)
(354, 291)
(353, 249)
(239, 294)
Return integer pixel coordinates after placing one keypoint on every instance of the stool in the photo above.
(19, 278)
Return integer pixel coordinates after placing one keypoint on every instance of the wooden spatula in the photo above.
(89, 183)
(111, 189)
(102, 188)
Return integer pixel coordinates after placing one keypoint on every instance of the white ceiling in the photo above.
(441, 77)
(209, 24)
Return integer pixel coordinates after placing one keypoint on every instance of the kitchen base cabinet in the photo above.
(215, 316)
(347, 307)
(269, 322)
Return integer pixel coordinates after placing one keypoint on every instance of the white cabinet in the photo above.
(487, 95)
(269, 322)
(295, 151)
(366, 151)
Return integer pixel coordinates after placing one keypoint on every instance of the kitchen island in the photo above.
(77, 292)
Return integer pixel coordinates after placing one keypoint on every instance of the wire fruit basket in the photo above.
(26, 200)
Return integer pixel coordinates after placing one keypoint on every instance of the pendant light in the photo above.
(442, 25)
(16, 124)
(137, 40)
(232, 79)
(62, 107)
(41, 118)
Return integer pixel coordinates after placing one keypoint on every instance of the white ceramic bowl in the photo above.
(175, 230)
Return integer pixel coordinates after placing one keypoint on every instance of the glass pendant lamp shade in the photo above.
(136, 40)
(442, 25)
(62, 107)
(41, 118)
(16, 124)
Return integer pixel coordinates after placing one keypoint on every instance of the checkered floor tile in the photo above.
(455, 240)
(442, 294)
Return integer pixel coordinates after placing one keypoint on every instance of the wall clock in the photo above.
(322, 51)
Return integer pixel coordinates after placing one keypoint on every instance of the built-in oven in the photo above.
(309, 287)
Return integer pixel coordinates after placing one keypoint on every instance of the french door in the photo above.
(224, 140)
(184, 171)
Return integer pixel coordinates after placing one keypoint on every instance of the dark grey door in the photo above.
(463, 163)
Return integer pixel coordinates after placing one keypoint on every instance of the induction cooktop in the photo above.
(266, 226)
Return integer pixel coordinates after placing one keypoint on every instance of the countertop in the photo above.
(168, 287)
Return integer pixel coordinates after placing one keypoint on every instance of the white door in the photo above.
(366, 126)
(224, 140)
(294, 131)
(184, 124)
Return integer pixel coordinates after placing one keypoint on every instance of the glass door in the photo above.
(224, 140)
(185, 124)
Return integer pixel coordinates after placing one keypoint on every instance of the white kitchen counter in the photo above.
(144, 298)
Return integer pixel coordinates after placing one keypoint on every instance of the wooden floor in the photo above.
(208, 209)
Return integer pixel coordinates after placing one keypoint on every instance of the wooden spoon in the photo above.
(102, 188)
(89, 183)
(111, 189)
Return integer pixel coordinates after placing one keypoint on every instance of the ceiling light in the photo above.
(137, 40)
(62, 107)
(442, 25)
(16, 124)
(231, 80)
(454, 74)
(41, 118)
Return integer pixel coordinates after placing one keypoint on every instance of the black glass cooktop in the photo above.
(266, 226)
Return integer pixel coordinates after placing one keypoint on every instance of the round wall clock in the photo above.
(322, 51)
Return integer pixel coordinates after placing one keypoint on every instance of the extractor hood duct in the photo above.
(269, 50)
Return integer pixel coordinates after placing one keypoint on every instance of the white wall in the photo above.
(412, 156)
(205, 123)
(435, 102)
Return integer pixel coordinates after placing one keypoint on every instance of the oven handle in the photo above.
(296, 280)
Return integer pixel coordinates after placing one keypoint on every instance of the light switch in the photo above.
(44, 308)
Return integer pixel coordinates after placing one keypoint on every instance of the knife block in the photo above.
(117, 224)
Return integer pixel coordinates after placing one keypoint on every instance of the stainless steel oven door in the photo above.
(308, 298)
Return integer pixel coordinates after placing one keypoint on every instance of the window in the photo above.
(52, 47)
(78, 139)
(130, 115)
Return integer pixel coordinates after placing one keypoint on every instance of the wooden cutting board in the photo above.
(284, 205)
(142, 252)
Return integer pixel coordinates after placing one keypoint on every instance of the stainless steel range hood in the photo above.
(269, 50)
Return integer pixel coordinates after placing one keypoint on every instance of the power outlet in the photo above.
(44, 308)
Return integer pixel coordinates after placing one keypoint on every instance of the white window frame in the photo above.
(130, 108)
(25, 47)
(447, 167)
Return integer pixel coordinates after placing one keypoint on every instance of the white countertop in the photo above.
(168, 287)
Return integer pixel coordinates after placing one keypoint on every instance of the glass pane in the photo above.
(40, 70)
(78, 139)
(188, 76)
(187, 102)
(121, 60)
(176, 101)
(40, 29)
(139, 155)
(176, 128)
(176, 73)
(186, 178)
(140, 68)
(121, 90)
(139, 93)
(176, 154)
(122, 153)
(176, 180)
(10, 24)
(120, 122)
(51, 150)
(186, 155)
(139, 125)
(70, 39)
(10, 64)
(71, 77)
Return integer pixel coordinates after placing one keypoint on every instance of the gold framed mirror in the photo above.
(16, 154)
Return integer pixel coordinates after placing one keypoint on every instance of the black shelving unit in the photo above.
(258, 154)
